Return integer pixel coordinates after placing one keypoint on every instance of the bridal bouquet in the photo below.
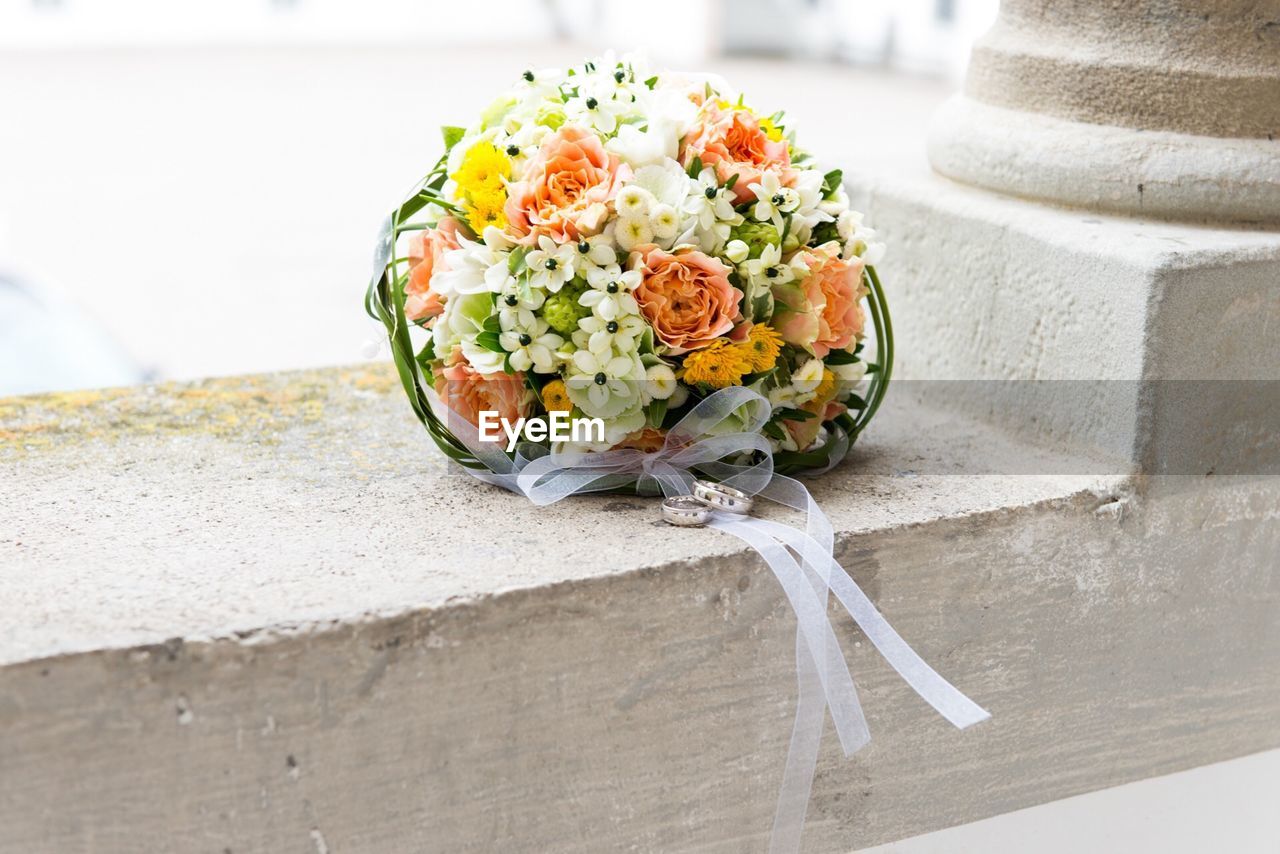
(614, 244)
(649, 254)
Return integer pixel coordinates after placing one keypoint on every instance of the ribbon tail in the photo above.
(812, 621)
(945, 698)
(802, 755)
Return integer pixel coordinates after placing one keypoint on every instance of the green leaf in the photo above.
(492, 324)
(855, 402)
(733, 179)
(451, 135)
(489, 341)
(657, 411)
(516, 260)
(652, 81)
(840, 357)
(695, 167)
(831, 182)
(789, 414)
(773, 431)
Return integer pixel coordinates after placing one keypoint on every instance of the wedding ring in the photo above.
(685, 511)
(721, 497)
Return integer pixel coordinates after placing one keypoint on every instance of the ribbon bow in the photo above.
(720, 438)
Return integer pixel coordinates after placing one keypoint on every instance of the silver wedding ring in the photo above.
(685, 511)
(721, 497)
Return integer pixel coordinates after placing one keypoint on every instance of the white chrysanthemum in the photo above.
(660, 382)
(633, 202)
(600, 336)
(604, 385)
(526, 339)
(551, 265)
(609, 296)
(631, 233)
(665, 222)
(474, 267)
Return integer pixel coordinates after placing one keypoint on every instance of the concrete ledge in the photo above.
(245, 615)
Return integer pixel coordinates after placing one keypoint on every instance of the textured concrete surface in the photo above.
(255, 615)
(237, 505)
(1168, 109)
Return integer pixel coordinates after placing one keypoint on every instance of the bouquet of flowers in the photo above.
(616, 244)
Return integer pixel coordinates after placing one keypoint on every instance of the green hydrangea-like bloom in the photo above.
(562, 310)
(757, 235)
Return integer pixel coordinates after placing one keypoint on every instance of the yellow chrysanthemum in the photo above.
(484, 168)
(719, 365)
(555, 397)
(771, 130)
(762, 347)
(485, 209)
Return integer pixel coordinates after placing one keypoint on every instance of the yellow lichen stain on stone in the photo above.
(256, 408)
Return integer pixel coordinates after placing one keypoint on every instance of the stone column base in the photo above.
(1105, 168)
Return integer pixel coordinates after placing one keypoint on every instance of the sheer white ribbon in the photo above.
(720, 439)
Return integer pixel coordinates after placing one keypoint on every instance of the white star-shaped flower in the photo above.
(774, 200)
(599, 335)
(551, 265)
(610, 294)
(526, 338)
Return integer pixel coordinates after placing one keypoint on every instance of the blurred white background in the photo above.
(193, 188)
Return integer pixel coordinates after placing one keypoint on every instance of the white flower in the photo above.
(610, 295)
(474, 267)
(858, 238)
(551, 265)
(710, 207)
(849, 375)
(665, 221)
(808, 377)
(644, 147)
(595, 106)
(525, 337)
(808, 210)
(600, 336)
(660, 382)
(595, 251)
(666, 182)
(678, 397)
(784, 396)
(737, 251)
(768, 270)
(774, 199)
(633, 202)
(707, 201)
(518, 293)
(604, 385)
(631, 233)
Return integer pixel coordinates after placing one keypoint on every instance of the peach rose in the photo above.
(467, 392)
(823, 311)
(566, 188)
(732, 141)
(805, 432)
(426, 256)
(685, 296)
